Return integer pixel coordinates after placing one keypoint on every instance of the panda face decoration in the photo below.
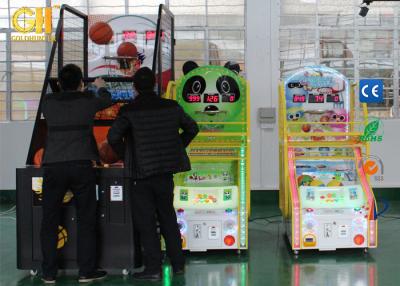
(212, 94)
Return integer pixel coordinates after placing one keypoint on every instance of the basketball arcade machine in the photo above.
(325, 196)
(212, 200)
(116, 65)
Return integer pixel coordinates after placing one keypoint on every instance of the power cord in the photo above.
(264, 218)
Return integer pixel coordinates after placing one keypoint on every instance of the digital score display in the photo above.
(211, 98)
(316, 98)
(129, 35)
(332, 98)
(299, 98)
(193, 98)
(228, 98)
(151, 35)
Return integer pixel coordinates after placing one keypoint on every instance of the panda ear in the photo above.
(189, 66)
(233, 66)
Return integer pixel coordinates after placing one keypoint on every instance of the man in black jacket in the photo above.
(155, 150)
(67, 163)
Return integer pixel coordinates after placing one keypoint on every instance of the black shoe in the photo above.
(178, 270)
(150, 276)
(48, 279)
(95, 275)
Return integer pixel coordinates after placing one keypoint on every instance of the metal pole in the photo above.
(8, 70)
(396, 63)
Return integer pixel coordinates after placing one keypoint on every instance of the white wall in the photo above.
(389, 152)
(14, 144)
(262, 70)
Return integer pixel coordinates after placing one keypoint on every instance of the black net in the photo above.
(70, 47)
(163, 64)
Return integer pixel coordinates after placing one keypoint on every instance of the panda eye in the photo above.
(334, 116)
(342, 118)
(297, 115)
(225, 86)
(196, 86)
(291, 116)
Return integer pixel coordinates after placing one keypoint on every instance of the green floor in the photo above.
(268, 261)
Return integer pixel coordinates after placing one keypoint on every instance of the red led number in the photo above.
(212, 98)
(299, 98)
(194, 98)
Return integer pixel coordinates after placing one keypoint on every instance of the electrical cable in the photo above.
(392, 217)
(9, 211)
(263, 218)
(385, 207)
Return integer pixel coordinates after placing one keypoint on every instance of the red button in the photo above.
(229, 240)
(359, 239)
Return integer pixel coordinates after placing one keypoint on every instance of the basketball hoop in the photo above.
(127, 65)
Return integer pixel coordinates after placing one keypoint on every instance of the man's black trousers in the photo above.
(152, 198)
(58, 178)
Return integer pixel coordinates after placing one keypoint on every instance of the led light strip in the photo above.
(243, 222)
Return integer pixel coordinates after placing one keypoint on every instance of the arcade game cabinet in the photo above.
(325, 195)
(113, 48)
(212, 200)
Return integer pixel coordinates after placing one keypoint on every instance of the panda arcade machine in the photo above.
(212, 200)
(111, 47)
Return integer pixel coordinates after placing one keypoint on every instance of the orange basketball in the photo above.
(100, 33)
(107, 154)
(127, 49)
(37, 159)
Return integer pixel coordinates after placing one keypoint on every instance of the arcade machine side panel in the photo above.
(29, 216)
(24, 217)
(115, 222)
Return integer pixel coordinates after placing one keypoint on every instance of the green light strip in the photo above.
(167, 275)
(243, 274)
(242, 215)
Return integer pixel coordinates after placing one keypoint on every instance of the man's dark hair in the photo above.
(70, 77)
(144, 80)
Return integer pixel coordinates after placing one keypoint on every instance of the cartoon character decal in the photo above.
(295, 114)
(320, 97)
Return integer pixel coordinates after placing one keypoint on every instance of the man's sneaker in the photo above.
(96, 275)
(150, 276)
(48, 279)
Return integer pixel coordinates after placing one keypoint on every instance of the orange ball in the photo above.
(107, 154)
(101, 33)
(37, 159)
(127, 49)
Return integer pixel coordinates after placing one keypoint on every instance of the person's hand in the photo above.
(99, 82)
